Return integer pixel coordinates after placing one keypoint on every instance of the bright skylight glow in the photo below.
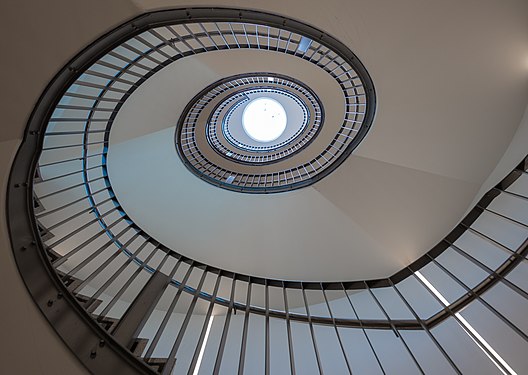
(264, 119)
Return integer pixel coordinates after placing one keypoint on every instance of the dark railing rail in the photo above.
(123, 302)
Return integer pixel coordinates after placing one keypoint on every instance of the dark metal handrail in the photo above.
(103, 341)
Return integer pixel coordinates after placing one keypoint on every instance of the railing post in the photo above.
(129, 325)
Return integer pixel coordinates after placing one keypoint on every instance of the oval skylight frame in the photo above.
(317, 48)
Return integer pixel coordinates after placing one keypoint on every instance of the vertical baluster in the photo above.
(425, 328)
(288, 328)
(267, 339)
(363, 329)
(172, 355)
(169, 312)
(203, 332)
(475, 261)
(225, 330)
(336, 330)
(394, 328)
(132, 278)
(480, 299)
(459, 322)
(245, 331)
(312, 333)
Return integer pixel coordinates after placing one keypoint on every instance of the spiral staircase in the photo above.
(128, 293)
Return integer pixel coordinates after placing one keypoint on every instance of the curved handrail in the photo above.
(58, 293)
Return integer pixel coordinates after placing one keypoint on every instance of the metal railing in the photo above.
(125, 302)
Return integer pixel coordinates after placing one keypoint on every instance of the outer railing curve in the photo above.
(124, 302)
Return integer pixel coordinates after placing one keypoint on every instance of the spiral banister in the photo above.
(122, 301)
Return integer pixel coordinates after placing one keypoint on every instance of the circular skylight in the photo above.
(264, 119)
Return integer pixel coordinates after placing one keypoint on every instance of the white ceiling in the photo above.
(452, 85)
